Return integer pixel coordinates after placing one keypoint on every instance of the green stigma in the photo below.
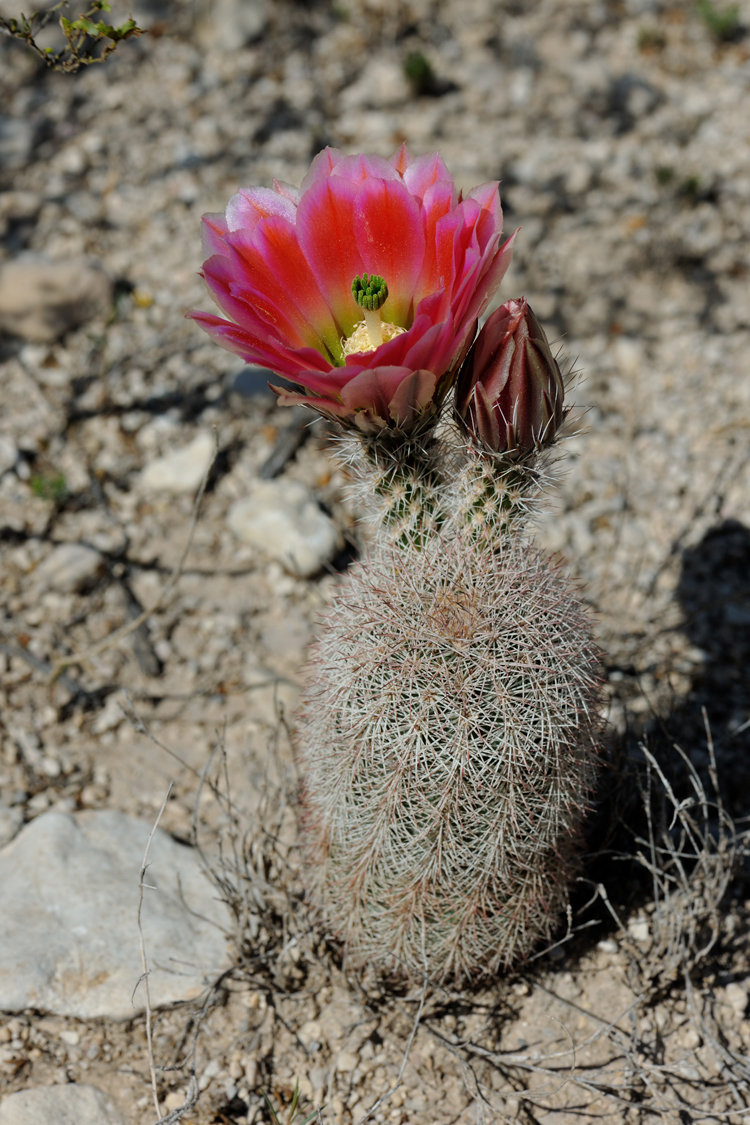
(370, 292)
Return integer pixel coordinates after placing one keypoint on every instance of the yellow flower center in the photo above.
(361, 339)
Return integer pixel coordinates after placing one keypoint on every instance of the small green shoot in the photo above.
(418, 70)
(87, 41)
(664, 175)
(723, 23)
(691, 187)
(294, 1110)
(52, 487)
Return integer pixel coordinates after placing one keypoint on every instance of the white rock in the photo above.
(182, 470)
(69, 567)
(283, 519)
(8, 453)
(40, 300)
(59, 1105)
(16, 141)
(737, 997)
(229, 25)
(381, 84)
(608, 945)
(11, 819)
(68, 933)
(639, 930)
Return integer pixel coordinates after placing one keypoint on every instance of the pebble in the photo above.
(229, 25)
(11, 819)
(69, 568)
(16, 141)
(347, 1061)
(68, 935)
(181, 470)
(284, 520)
(638, 929)
(737, 997)
(59, 1105)
(41, 300)
(8, 454)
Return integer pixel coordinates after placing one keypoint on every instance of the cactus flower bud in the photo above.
(509, 394)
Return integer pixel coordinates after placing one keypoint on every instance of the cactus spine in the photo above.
(447, 729)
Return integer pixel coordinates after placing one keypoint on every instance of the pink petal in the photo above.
(412, 397)
(287, 190)
(439, 200)
(321, 167)
(491, 276)
(365, 166)
(488, 197)
(213, 234)
(327, 383)
(275, 266)
(401, 158)
(391, 242)
(425, 171)
(326, 229)
(266, 352)
(373, 388)
(237, 296)
(250, 205)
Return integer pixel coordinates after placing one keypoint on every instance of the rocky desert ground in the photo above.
(620, 132)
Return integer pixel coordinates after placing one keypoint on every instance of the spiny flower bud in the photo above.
(509, 394)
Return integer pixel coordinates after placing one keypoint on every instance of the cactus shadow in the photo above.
(713, 592)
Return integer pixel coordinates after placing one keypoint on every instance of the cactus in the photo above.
(447, 731)
(446, 745)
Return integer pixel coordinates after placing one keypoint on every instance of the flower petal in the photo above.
(274, 265)
(250, 205)
(265, 352)
(439, 199)
(321, 167)
(413, 395)
(425, 171)
(401, 158)
(326, 231)
(213, 234)
(248, 306)
(391, 242)
(287, 190)
(365, 166)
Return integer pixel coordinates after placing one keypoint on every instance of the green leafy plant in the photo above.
(294, 1111)
(664, 175)
(87, 40)
(723, 23)
(50, 486)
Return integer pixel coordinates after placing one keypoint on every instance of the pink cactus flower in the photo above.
(510, 391)
(291, 269)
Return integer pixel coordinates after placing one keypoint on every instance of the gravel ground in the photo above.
(620, 133)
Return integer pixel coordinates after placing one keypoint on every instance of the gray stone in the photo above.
(181, 470)
(68, 934)
(8, 454)
(229, 25)
(11, 819)
(59, 1105)
(284, 520)
(16, 141)
(40, 300)
(69, 567)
